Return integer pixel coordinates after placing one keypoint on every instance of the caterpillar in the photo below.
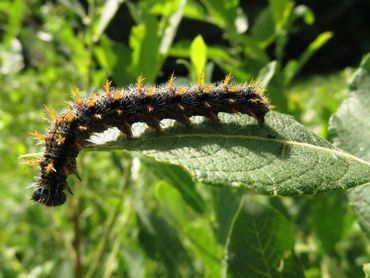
(120, 108)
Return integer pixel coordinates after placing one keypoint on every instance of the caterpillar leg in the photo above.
(154, 124)
(125, 128)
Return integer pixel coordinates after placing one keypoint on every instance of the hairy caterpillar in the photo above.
(121, 108)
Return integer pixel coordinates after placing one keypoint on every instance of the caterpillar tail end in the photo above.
(49, 198)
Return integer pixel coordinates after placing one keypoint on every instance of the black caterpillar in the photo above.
(121, 108)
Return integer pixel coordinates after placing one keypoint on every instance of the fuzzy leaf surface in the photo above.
(281, 158)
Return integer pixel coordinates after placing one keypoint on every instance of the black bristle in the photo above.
(67, 136)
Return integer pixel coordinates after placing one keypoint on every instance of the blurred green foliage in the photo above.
(132, 217)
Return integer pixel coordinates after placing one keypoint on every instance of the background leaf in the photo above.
(350, 130)
(171, 29)
(330, 220)
(294, 66)
(261, 243)
(263, 29)
(366, 269)
(280, 11)
(266, 73)
(144, 42)
(227, 203)
(108, 11)
(177, 177)
(15, 10)
(224, 12)
(198, 56)
(196, 231)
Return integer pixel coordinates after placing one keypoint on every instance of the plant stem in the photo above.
(76, 238)
(110, 223)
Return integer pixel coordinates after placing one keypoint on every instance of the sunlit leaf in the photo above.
(263, 29)
(280, 11)
(266, 73)
(198, 56)
(294, 66)
(178, 178)
(109, 10)
(171, 28)
(144, 42)
(224, 12)
(281, 158)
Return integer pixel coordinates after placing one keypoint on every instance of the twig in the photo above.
(76, 238)
(109, 224)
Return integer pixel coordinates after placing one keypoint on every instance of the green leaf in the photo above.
(79, 56)
(163, 244)
(366, 269)
(314, 99)
(349, 126)
(306, 13)
(211, 253)
(195, 10)
(173, 204)
(114, 58)
(280, 11)
(330, 229)
(164, 7)
(178, 178)
(196, 231)
(267, 73)
(198, 55)
(171, 28)
(108, 11)
(225, 13)
(280, 158)
(294, 66)
(254, 50)
(227, 203)
(261, 243)
(221, 56)
(349, 129)
(75, 6)
(360, 201)
(263, 29)
(144, 42)
(15, 13)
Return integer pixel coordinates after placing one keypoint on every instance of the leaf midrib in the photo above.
(261, 249)
(248, 137)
